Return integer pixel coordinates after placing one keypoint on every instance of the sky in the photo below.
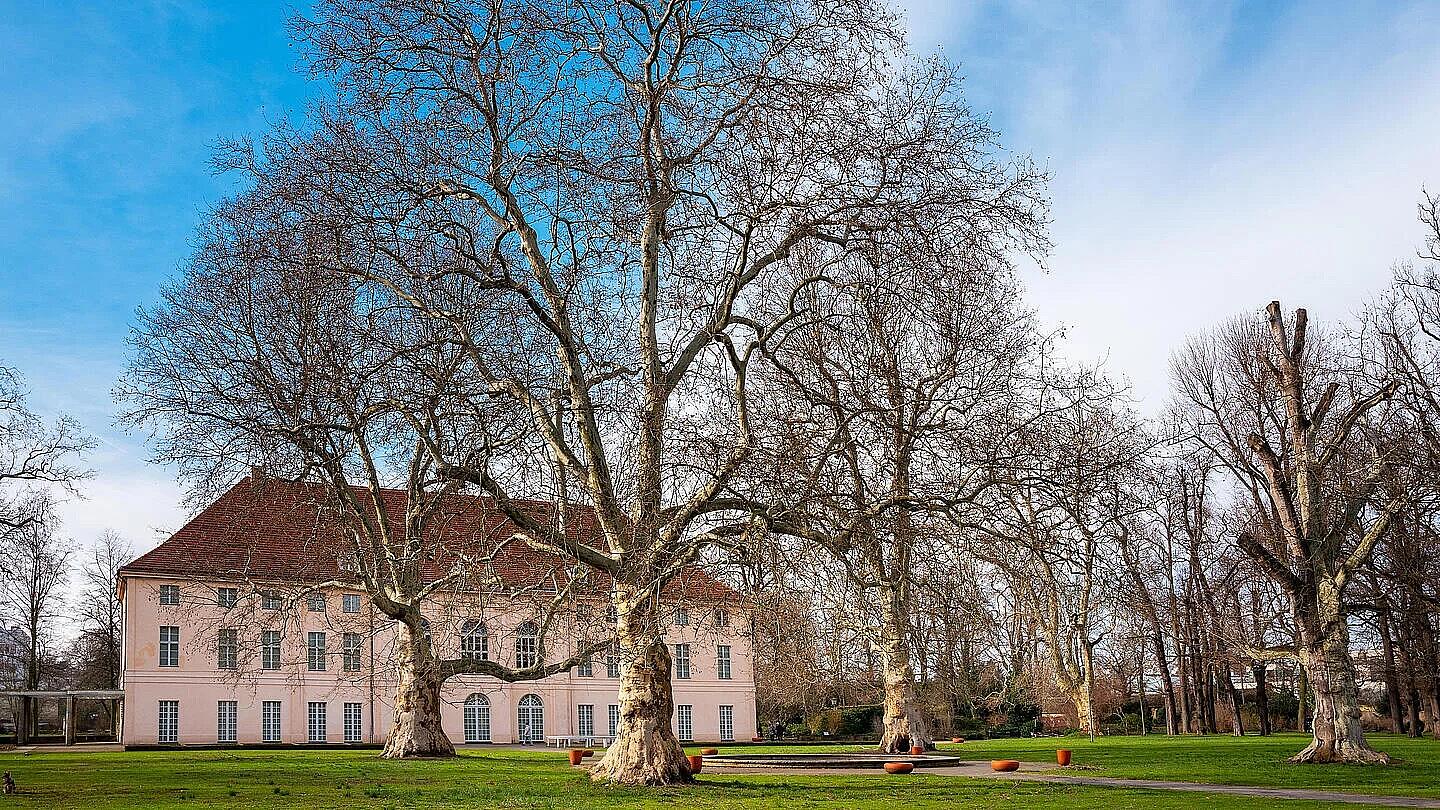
(1205, 159)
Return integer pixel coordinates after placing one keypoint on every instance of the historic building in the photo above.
(228, 639)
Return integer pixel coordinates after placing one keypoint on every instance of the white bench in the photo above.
(580, 740)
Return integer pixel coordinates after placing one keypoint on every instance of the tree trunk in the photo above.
(1392, 680)
(1325, 654)
(1157, 640)
(905, 724)
(417, 731)
(1262, 697)
(1232, 696)
(646, 750)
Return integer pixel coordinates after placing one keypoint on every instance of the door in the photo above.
(531, 717)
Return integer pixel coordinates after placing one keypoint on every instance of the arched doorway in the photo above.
(477, 719)
(531, 720)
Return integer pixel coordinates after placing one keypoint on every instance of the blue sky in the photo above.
(1207, 157)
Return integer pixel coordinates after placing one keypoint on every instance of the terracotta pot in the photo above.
(899, 767)
(1062, 756)
(589, 753)
(696, 763)
(576, 754)
(957, 739)
(709, 752)
(917, 750)
(1004, 765)
(757, 739)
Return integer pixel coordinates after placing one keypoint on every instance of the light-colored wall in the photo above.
(198, 684)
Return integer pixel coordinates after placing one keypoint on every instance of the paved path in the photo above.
(1052, 774)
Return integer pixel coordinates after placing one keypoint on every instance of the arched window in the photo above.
(531, 720)
(477, 719)
(527, 645)
(474, 641)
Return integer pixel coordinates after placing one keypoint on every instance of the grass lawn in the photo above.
(536, 780)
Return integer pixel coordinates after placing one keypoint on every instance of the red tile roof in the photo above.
(274, 530)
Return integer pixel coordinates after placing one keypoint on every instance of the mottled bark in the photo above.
(1325, 655)
(905, 726)
(646, 750)
(417, 731)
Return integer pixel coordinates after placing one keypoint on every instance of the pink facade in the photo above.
(183, 685)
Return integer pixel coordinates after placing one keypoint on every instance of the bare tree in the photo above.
(99, 611)
(32, 582)
(1262, 398)
(34, 456)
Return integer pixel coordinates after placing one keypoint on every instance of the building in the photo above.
(228, 639)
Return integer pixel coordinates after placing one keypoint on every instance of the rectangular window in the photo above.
(614, 719)
(225, 721)
(722, 617)
(352, 652)
(586, 725)
(612, 665)
(586, 669)
(727, 724)
(317, 722)
(169, 646)
(270, 721)
(270, 649)
(269, 600)
(226, 597)
(722, 661)
(474, 641)
(227, 643)
(526, 649)
(682, 616)
(316, 652)
(685, 722)
(350, 603)
(169, 725)
(315, 602)
(353, 728)
(682, 661)
(169, 594)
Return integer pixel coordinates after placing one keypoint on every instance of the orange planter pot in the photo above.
(757, 739)
(1004, 765)
(898, 767)
(589, 753)
(917, 750)
(957, 739)
(696, 763)
(709, 752)
(1062, 756)
(576, 755)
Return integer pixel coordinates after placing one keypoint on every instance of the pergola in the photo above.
(68, 698)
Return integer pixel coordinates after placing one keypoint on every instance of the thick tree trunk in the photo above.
(417, 731)
(905, 724)
(1325, 654)
(1392, 679)
(1262, 697)
(646, 750)
(1232, 696)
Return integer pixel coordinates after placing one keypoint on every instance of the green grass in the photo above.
(536, 780)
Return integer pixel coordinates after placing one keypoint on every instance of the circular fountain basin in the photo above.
(828, 760)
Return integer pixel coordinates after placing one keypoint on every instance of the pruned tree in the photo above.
(1281, 415)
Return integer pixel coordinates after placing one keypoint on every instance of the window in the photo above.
(353, 732)
(169, 646)
(270, 721)
(722, 661)
(585, 725)
(352, 652)
(315, 602)
(169, 725)
(270, 649)
(526, 646)
(682, 661)
(477, 719)
(474, 641)
(685, 722)
(317, 722)
(612, 615)
(614, 719)
(531, 717)
(586, 669)
(225, 722)
(350, 603)
(269, 600)
(682, 616)
(226, 643)
(612, 664)
(316, 652)
(169, 594)
(226, 597)
(722, 617)
(727, 724)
